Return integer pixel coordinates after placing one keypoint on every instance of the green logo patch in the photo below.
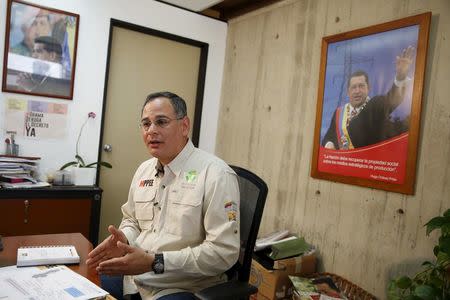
(190, 176)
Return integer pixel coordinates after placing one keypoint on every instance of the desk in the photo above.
(8, 256)
(56, 209)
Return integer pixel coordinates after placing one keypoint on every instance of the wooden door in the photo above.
(141, 61)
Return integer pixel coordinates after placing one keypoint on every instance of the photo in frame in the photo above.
(369, 104)
(40, 50)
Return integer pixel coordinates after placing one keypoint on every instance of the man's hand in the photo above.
(404, 61)
(108, 248)
(136, 261)
(330, 145)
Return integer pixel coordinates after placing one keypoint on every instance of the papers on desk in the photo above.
(41, 283)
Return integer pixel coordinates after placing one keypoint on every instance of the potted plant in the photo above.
(84, 173)
(433, 282)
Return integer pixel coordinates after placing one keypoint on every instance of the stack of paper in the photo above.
(40, 283)
(19, 172)
(271, 239)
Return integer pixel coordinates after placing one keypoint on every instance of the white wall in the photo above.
(90, 70)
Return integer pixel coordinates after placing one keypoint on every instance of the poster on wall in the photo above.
(40, 50)
(36, 119)
(369, 103)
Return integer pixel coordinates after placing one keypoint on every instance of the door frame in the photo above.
(200, 80)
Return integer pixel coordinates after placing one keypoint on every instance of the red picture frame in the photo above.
(367, 137)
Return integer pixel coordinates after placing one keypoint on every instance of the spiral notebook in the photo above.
(47, 255)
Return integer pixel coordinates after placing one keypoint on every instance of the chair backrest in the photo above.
(253, 193)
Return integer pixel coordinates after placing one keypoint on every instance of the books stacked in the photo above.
(278, 246)
(277, 256)
(19, 172)
(269, 240)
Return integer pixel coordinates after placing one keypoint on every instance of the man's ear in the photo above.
(186, 125)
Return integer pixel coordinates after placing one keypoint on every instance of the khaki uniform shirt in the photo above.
(190, 214)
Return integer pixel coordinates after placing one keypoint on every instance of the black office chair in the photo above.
(253, 192)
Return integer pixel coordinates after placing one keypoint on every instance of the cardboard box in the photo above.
(275, 284)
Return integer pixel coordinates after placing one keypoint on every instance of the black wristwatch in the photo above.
(158, 263)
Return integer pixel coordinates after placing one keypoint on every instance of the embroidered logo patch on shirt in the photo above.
(231, 210)
(146, 182)
(190, 176)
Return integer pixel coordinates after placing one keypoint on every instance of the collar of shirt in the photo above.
(159, 168)
(359, 108)
(177, 163)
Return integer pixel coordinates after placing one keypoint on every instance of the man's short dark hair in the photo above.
(50, 44)
(356, 74)
(178, 104)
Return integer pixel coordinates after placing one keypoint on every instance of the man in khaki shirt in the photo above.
(180, 225)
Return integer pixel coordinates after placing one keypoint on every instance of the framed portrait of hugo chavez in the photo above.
(40, 50)
(369, 105)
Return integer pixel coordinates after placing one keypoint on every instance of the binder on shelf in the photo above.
(17, 178)
(289, 248)
(47, 255)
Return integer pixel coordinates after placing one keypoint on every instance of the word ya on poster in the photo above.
(36, 119)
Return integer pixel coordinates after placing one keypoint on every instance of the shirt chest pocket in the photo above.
(184, 211)
(144, 208)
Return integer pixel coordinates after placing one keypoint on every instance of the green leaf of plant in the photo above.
(436, 250)
(447, 213)
(444, 244)
(445, 229)
(393, 296)
(434, 223)
(82, 164)
(404, 282)
(412, 297)
(425, 292)
(392, 291)
(432, 283)
(68, 165)
(443, 258)
(436, 281)
(101, 163)
(105, 164)
(427, 263)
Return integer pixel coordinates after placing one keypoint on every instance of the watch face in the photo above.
(158, 264)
